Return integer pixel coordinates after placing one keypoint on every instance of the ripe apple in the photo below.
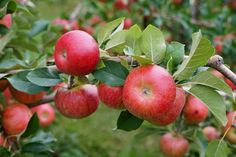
(6, 21)
(217, 74)
(66, 24)
(195, 111)
(177, 2)
(15, 118)
(172, 114)
(77, 102)
(59, 85)
(88, 29)
(95, 20)
(45, 113)
(3, 84)
(2, 139)
(231, 84)
(121, 4)
(174, 145)
(25, 98)
(76, 53)
(127, 23)
(111, 96)
(230, 136)
(149, 91)
(218, 48)
(210, 133)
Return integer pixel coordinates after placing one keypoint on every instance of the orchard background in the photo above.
(179, 35)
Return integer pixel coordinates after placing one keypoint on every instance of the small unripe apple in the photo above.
(195, 111)
(231, 84)
(76, 53)
(121, 4)
(173, 145)
(127, 23)
(45, 113)
(210, 133)
(111, 96)
(6, 21)
(172, 114)
(26, 98)
(77, 102)
(231, 135)
(3, 84)
(149, 91)
(15, 118)
(177, 2)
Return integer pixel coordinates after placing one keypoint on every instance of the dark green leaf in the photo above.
(35, 148)
(4, 152)
(32, 127)
(38, 27)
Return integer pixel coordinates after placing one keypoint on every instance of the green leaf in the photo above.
(170, 65)
(38, 27)
(201, 142)
(113, 74)
(23, 9)
(117, 42)
(217, 148)
(4, 152)
(208, 79)
(35, 148)
(200, 53)
(11, 7)
(142, 60)
(32, 127)
(4, 40)
(105, 32)
(132, 36)
(21, 83)
(44, 77)
(213, 100)
(176, 51)
(152, 44)
(128, 122)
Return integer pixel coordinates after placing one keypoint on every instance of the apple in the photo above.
(78, 102)
(111, 96)
(149, 91)
(66, 24)
(88, 29)
(195, 111)
(8, 97)
(95, 20)
(230, 136)
(25, 98)
(6, 21)
(210, 133)
(218, 48)
(173, 145)
(231, 84)
(2, 139)
(45, 113)
(121, 4)
(15, 118)
(74, 25)
(59, 85)
(217, 74)
(76, 53)
(3, 84)
(172, 114)
(127, 23)
(232, 4)
(177, 2)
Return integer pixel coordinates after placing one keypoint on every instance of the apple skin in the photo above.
(66, 24)
(127, 23)
(231, 84)
(171, 115)
(218, 48)
(3, 84)
(2, 139)
(88, 29)
(149, 91)
(25, 98)
(210, 133)
(45, 113)
(6, 21)
(177, 2)
(174, 145)
(231, 135)
(217, 74)
(15, 118)
(76, 53)
(78, 102)
(120, 5)
(232, 4)
(59, 85)
(95, 20)
(111, 96)
(195, 111)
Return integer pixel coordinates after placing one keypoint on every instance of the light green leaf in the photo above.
(152, 44)
(176, 51)
(201, 51)
(208, 79)
(4, 40)
(217, 148)
(170, 65)
(142, 60)
(105, 32)
(213, 100)
(117, 42)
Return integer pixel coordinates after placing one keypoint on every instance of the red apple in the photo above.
(173, 145)
(210, 133)
(232, 4)
(231, 84)
(88, 29)
(195, 111)
(15, 118)
(121, 4)
(76, 53)
(218, 48)
(217, 74)
(149, 91)
(217, 39)
(26, 98)
(172, 114)
(231, 135)
(177, 2)
(6, 21)
(127, 23)
(45, 113)
(59, 85)
(95, 20)
(111, 96)
(2, 139)
(77, 102)
(3, 84)
(74, 25)
(63, 23)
